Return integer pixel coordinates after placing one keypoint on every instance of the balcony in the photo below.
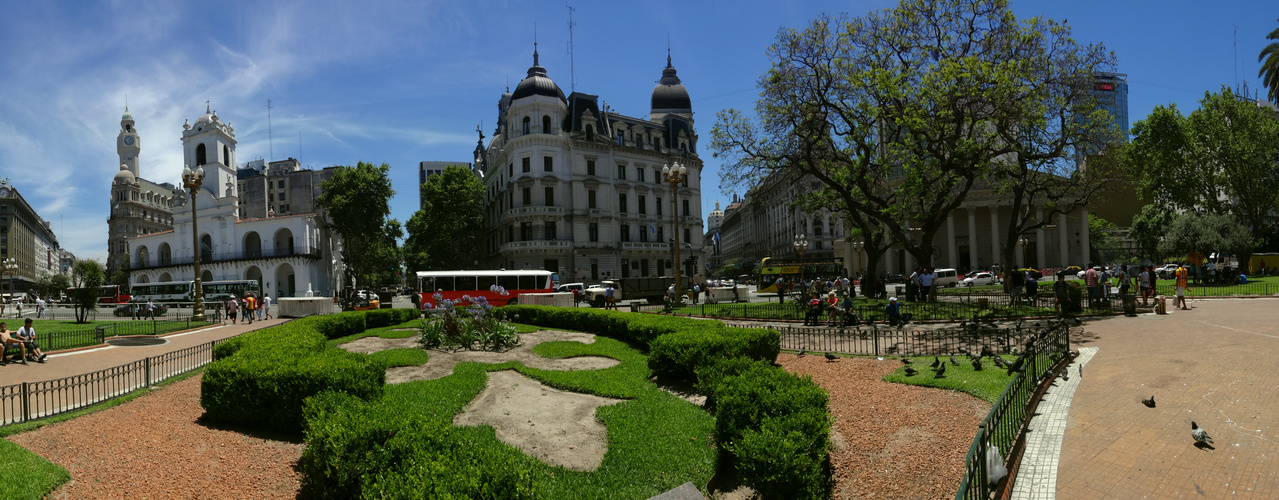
(650, 246)
(266, 253)
(535, 211)
(537, 245)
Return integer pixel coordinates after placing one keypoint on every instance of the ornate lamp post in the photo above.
(801, 245)
(192, 179)
(674, 175)
(1024, 244)
(858, 246)
(11, 269)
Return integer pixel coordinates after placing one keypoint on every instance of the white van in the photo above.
(945, 278)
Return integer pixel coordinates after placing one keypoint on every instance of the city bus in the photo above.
(184, 291)
(789, 269)
(107, 294)
(453, 285)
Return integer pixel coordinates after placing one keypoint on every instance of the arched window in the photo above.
(526, 125)
(199, 155)
(590, 132)
(546, 124)
(226, 156)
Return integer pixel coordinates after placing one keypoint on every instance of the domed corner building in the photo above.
(576, 188)
(138, 206)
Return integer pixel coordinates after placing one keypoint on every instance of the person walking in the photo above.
(610, 302)
(40, 304)
(1061, 291)
(1182, 274)
(150, 309)
(232, 307)
(1144, 280)
(247, 313)
(266, 306)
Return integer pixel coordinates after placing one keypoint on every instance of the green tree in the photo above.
(86, 279)
(1205, 234)
(1102, 243)
(357, 202)
(1148, 230)
(119, 274)
(442, 234)
(1269, 72)
(898, 114)
(1222, 159)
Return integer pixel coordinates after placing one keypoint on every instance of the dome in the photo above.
(127, 115)
(124, 176)
(670, 94)
(537, 83)
(204, 120)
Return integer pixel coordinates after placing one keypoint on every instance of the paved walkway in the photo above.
(1213, 364)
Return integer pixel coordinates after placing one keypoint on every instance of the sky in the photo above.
(400, 82)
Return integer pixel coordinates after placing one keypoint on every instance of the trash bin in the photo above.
(897, 290)
(1130, 304)
(634, 307)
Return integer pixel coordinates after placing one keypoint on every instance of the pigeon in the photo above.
(954, 361)
(831, 357)
(906, 361)
(962, 350)
(985, 352)
(1065, 374)
(1150, 403)
(999, 361)
(941, 371)
(1200, 435)
(910, 372)
(801, 353)
(1081, 371)
(977, 364)
(1016, 366)
(936, 361)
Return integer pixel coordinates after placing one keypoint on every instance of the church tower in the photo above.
(210, 143)
(128, 143)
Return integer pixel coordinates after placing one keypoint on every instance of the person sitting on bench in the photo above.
(8, 340)
(813, 316)
(849, 317)
(895, 316)
(27, 334)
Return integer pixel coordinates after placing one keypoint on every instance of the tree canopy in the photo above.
(357, 202)
(86, 279)
(1269, 72)
(442, 233)
(898, 114)
(1205, 234)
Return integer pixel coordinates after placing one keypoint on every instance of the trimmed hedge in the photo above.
(372, 450)
(262, 378)
(682, 351)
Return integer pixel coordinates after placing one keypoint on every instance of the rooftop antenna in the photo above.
(270, 139)
(572, 70)
(1234, 43)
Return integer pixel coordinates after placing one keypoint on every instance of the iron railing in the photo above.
(57, 341)
(878, 340)
(1007, 420)
(35, 400)
(980, 306)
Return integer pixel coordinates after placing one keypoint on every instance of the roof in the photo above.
(434, 274)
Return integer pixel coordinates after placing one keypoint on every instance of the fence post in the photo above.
(874, 332)
(26, 402)
(147, 369)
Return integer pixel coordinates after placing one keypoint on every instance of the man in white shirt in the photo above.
(266, 306)
(27, 334)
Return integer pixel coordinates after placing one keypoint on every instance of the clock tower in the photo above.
(128, 144)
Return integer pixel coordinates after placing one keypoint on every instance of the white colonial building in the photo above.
(576, 188)
(291, 256)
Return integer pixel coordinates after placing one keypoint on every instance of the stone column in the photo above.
(994, 236)
(952, 247)
(972, 237)
(1083, 236)
(1063, 242)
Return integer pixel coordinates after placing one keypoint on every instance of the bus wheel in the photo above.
(513, 302)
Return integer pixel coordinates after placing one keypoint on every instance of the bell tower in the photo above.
(128, 144)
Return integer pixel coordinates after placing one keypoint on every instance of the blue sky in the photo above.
(403, 82)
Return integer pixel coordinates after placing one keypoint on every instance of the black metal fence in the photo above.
(878, 340)
(35, 400)
(985, 306)
(1008, 418)
(56, 341)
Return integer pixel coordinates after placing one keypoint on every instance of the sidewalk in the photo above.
(66, 364)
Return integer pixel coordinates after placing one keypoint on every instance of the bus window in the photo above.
(511, 283)
(485, 282)
(527, 282)
(444, 283)
(465, 283)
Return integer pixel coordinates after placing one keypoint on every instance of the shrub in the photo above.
(379, 318)
(710, 376)
(339, 325)
(681, 352)
(474, 326)
(375, 450)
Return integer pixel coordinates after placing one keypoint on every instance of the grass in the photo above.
(986, 384)
(656, 441)
(409, 356)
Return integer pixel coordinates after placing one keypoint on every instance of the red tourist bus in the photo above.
(108, 294)
(453, 285)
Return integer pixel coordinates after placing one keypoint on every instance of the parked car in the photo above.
(945, 278)
(981, 279)
(896, 278)
(126, 311)
(1166, 272)
(569, 287)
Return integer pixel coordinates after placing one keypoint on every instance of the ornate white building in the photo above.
(290, 256)
(138, 206)
(578, 190)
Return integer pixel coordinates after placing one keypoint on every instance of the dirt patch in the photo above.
(554, 426)
(442, 362)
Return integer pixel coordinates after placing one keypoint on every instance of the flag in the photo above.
(652, 229)
(716, 236)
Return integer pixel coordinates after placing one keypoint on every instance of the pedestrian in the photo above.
(136, 307)
(232, 307)
(247, 310)
(40, 304)
(257, 304)
(27, 334)
(150, 309)
(1094, 288)
(1144, 280)
(610, 300)
(1181, 275)
(266, 306)
(781, 290)
(1062, 293)
(697, 290)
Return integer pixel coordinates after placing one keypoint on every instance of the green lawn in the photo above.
(986, 384)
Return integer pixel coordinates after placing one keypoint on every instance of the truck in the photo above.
(651, 288)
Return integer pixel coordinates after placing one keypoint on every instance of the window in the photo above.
(590, 199)
(657, 176)
(621, 203)
(526, 194)
(590, 167)
(281, 183)
(524, 164)
(626, 233)
(685, 208)
(526, 125)
(550, 197)
(593, 232)
(661, 234)
(510, 233)
(621, 172)
(639, 174)
(643, 208)
(510, 170)
(659, 205)
(643, 234)
(510, 198)
(621, 138)
(546, 124)
(548, 231)
(548, 164)
(526, 231)
(686, 238)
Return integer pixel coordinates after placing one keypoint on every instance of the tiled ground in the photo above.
(1037, 478)
(1214, 364)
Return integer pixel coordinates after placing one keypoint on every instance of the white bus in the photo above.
(184, 291)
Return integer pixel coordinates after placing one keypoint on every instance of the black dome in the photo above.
(670, 94)
(537, 83)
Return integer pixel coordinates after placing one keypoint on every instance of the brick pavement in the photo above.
(1213, 364)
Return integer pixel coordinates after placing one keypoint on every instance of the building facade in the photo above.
(279, 188)
(1111, 91)
(27, 238)
(290, 255)
(138, 206)
(575, 188)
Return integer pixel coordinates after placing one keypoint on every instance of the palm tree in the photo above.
(1269, 72)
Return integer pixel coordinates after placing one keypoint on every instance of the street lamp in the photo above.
(1024, 243)
(192, 179)
(10, 268)
(801, 245)
(858, 246)
(674, 175)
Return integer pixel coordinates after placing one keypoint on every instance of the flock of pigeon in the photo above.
(939, 367)
(1198, 433)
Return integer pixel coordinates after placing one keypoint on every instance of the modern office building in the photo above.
(576, 188)
(27, 238)
(1111, 90)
